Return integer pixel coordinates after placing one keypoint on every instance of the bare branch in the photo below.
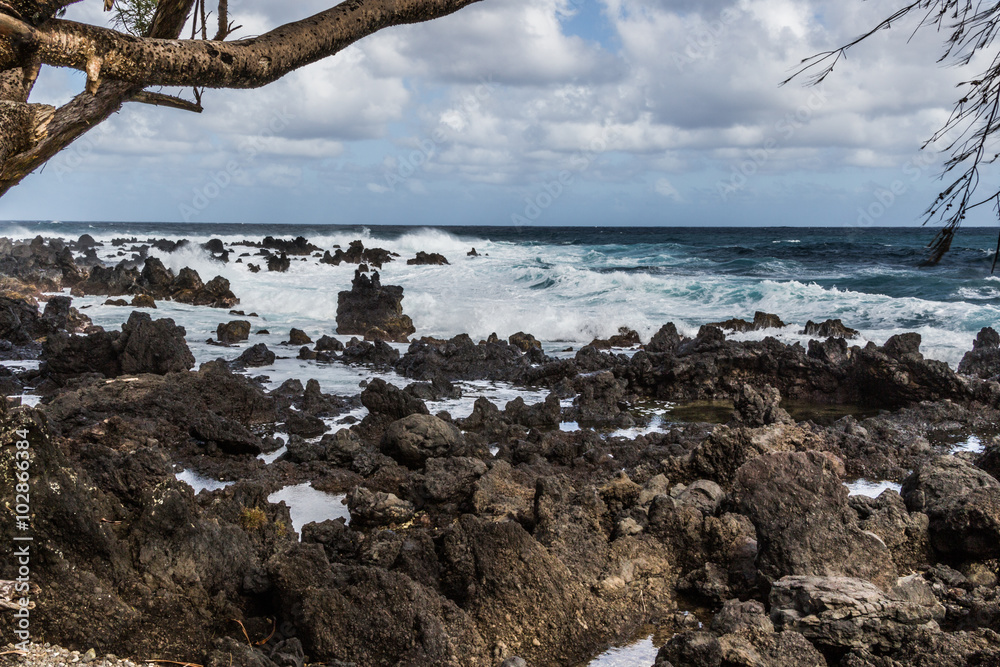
(975, 119)
(161, 100)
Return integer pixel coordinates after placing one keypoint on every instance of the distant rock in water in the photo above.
(279, 263)
(983, 361)
(472, 253)
(829, 329)
(624, 338)
(761, 320)
(424, 258)
(370, 305)
(356, 253)
(159, 282)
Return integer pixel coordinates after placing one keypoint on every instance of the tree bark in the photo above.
(249, 63)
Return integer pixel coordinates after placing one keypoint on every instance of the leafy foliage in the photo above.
(134, 16)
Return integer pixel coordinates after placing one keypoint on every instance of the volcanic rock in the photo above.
(371, 305)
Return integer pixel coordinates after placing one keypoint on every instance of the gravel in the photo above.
(47, 655)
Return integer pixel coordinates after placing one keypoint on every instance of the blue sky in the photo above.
(548, 112)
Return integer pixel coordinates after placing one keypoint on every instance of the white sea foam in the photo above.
(199, 482)
(638, 654)
(863, 487)
(563, 294)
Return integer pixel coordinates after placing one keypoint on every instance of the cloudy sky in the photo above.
(545, 112)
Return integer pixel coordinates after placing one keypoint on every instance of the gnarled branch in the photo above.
(105, 54)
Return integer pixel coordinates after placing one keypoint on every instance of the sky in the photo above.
(535, 112)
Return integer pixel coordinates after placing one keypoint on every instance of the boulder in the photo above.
(255, 356)
(376, 508)
(416, 438)
(524, 341)
(804, 525)
(298, 337)
(664, 341)
(962, 503)
(369, 305)
(847, 613)
(279, 263)
(143, 301)
(233, 332)
(758, 408)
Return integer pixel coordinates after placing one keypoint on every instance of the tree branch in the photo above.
(251, 63)
(85, 111)
(161, 100)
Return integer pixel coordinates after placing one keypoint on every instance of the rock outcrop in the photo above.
(371, 306)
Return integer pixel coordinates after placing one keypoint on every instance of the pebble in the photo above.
(47, 655)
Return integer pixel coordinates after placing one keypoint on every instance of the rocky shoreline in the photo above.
(506, 537)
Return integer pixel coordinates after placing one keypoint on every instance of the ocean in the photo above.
(568, 285)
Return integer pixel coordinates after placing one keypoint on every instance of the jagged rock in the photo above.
(761, 320)
(829, 329)
(18, 321)
(356, 253)
(378, 354)
(297, 246)
(599, 397)
(624, 338)
(547, 414)
(758, 408)
(664, 341)
(461, 358)
(424, 258)
(371, 305)
(376, 508)
(845, 613)
(983, 361)
(59, 315)
(233, 332)
(298, 337)
(255, 356)
(279, 263)
(804, 525)
(143, 346)
(962, 503)
(152, 346)
(414, 439)
(524, 341)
